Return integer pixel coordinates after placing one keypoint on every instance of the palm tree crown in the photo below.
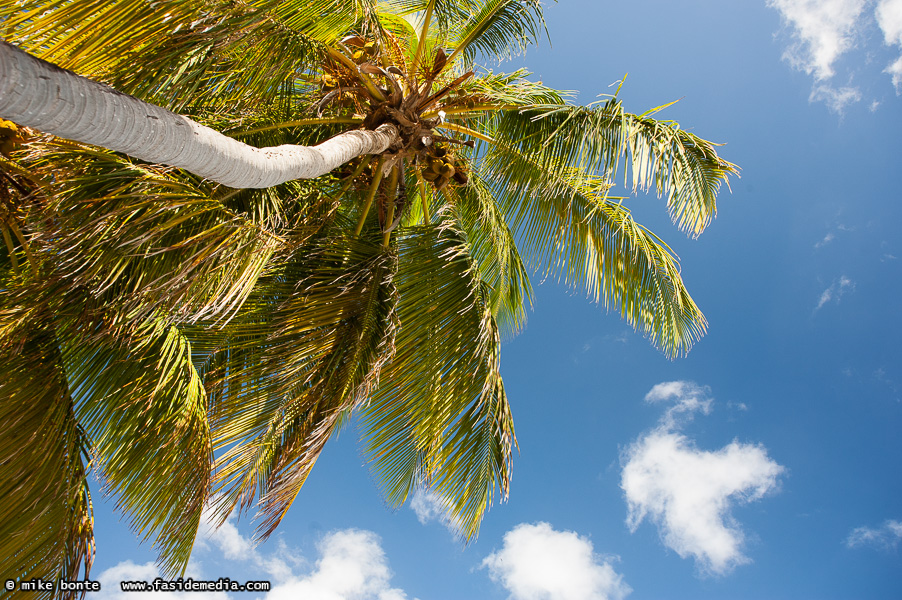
(197, 345)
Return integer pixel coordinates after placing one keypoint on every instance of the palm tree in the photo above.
(196, 345)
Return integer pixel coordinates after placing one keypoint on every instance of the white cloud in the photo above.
(689, 492)
(111, 578)
(895, 71)
(836, 291)
(889, 18)
(671, 389)
(884, 537)
(823, 29)
(351, 566)
(539, 563)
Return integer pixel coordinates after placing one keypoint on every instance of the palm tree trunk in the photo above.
(38, 94)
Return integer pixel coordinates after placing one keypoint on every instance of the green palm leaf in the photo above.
(570, 228)
(287, 390)
(493, 248)
(143, 405)
(653, 155)
(48, 529)
(142, 241)
(499, 28)
(440, 417)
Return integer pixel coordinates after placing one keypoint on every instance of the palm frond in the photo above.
(604, 139)
(568, 226)
(499, 29)
(143, 405)
(440, 417)
(490, 92)
(493, 248)
(141, 240)
(444, 13)
(47, 531)
(324, 21)
(295, 371)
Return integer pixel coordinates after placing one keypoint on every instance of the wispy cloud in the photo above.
(838, 230)
(687, 397)
(835, 292)
(836, 99)
(537, 562)
(688, 492)
(429, 506)
(827, 239)
(885, 537)
(233, 546)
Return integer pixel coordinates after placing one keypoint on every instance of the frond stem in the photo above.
(377, 178)
(477, 108)
(466, 41)
(11, 249)
(390, 211)
(421, 42)
(466, 131)
(350, 180)
(24, 242)
(365, 79)
(425, 201)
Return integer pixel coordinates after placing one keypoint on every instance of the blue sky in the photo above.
(763, 465)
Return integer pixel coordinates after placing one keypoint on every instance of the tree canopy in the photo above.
(196, 345)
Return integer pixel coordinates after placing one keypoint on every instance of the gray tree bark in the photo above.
(41, 95)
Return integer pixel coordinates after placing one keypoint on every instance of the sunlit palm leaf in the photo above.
(440, 416)
(491, 92)
(494, 250)
(144, 407)
(653, 155)
(444, 13)
(142, 241)
(570, 228)
(499, 28)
